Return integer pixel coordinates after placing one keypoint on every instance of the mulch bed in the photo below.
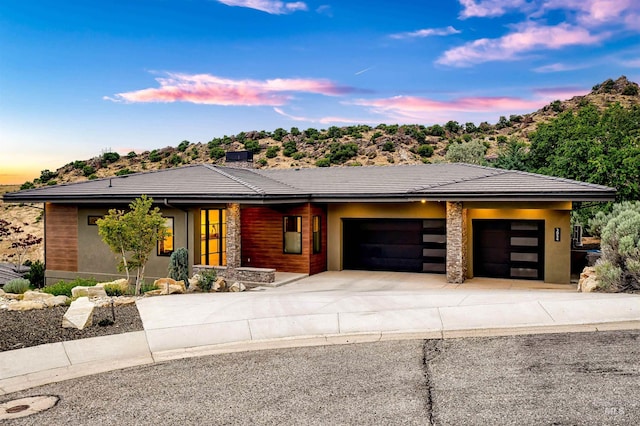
(21, 329)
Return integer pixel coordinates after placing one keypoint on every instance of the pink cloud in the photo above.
(595, 12)
(526, 37)
(324, 120)
(488, 8)
(214, 90)
(273, 7)
(428, 32)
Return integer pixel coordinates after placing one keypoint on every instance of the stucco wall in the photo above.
(557, 254)
(337, 212)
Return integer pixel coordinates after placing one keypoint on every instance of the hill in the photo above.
(359, 145)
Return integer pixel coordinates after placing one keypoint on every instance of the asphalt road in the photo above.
(559, 379)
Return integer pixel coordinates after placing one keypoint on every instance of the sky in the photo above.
(79, 78)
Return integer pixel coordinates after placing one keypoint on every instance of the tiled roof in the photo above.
(198, 183)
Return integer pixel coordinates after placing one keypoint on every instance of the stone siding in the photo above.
(456, 242)
(244, 275)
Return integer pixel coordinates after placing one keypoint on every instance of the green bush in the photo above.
(64, 287)
(36, 274)
(323, 162)
(113, 290)
(123, 172)
(183, 146)
(619, 267)
(179, 265)
(272, 151)
(27, 185)
(110, 157)
(298, 155)
(147, 287)
(466, 152)
(207, 278)
(217, 153)
(388, 146)
(600, 220)
(290, 148)
(88, 170)
(341, 152)
(17, 286)
(425, 151)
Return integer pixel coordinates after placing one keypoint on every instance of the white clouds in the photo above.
(428, 32)
(526, 38)
(274, 7)
(488, 8)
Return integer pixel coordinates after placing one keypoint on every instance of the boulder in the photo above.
(154, 293)
(1, 292)
(219, 285)
(588, 280)
(122, 283)
(36, 295)
(79, 315)
(56, 301)
(237, 286)
(170, 286)
(88, 291)
(25, 305)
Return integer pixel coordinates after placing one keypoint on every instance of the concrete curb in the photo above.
(40, 365)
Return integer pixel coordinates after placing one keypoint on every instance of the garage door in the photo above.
(404, 245)
(508, 249)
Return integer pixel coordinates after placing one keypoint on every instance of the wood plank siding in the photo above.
(262, 239)
(61, 231)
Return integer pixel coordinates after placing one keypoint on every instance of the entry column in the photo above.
(456, 242)
(234, 259)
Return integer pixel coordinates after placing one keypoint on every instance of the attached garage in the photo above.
(402, 245)
(508, 248)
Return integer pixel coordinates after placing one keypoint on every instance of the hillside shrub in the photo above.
(27, 185)
(64, 287)
(323, 162)
(17, 286)
(388, 146)
(425, 151)
(183, 146)
(619, 267)
(341, 152)
(466, 152)
(110, 157)
(298, 155)
(272, 151)
(217, 153)
(290, 148)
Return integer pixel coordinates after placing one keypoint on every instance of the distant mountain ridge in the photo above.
(357, 145)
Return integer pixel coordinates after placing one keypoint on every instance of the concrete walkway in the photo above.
(328, 308)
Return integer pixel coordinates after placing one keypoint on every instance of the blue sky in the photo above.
(80, 77)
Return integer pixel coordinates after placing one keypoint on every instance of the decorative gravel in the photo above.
(21, 329)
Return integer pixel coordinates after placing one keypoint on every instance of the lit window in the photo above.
(165, 247)
(317, 239)
(292, 234)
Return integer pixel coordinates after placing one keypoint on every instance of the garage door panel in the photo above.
(405, 245)
(508, 248)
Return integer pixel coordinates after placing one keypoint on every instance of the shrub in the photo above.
(207, 278)
(27, 185)
(132, 154)
(175, 160)
(110, 157)
(36, 274)
(279, 133)
(323, 162)
(290, 148)
(217, 153)
(272, 151)
(183, 146)
(600, 220)
(113, 290)
(253, 146)
(64, 287)
(147, 287)
(17, 286)
(388, 146)
(466, 152)
(155, 156)
(297, 155)
(88, 170)
(619, 267)
(123, 172)
(341, 152)
(425, 151)
(179, 265)
(262, 162)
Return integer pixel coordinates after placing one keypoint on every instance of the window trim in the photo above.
(172, 236)
(298, 225)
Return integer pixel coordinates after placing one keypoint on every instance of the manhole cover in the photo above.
(26, 406)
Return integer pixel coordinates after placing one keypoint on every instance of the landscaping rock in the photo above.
(25, 305)
(36, 295)
(88, 291)
(194, 284)
(170, 286)
(1, 292)
(237, 286)
(122, 283)
(588, 281)
(219, 285)
(56, 301)
(79, 315)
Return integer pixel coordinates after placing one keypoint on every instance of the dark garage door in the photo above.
(403, 245)
(508, 249)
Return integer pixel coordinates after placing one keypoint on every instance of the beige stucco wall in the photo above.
(557, 255)
(97, 261)
(337, 212)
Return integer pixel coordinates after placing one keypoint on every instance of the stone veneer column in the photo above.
(456, 242)
(234, 254)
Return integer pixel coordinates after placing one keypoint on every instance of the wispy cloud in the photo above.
(488, 8)
(427, 32)
(363, 71)
(593, 13)
(632, 63)
(420, 109)
(559, 67)
(213, 90)
(526, 38)
(274, 7)
(324, 120)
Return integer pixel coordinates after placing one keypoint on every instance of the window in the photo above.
(213, 237)
(165, 247)
(292, 234)
(317, 235)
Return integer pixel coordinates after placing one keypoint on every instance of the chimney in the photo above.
(239, 159)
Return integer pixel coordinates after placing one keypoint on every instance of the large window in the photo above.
(317, 235)
(213, 237)
(292, 234)
(165, 247)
